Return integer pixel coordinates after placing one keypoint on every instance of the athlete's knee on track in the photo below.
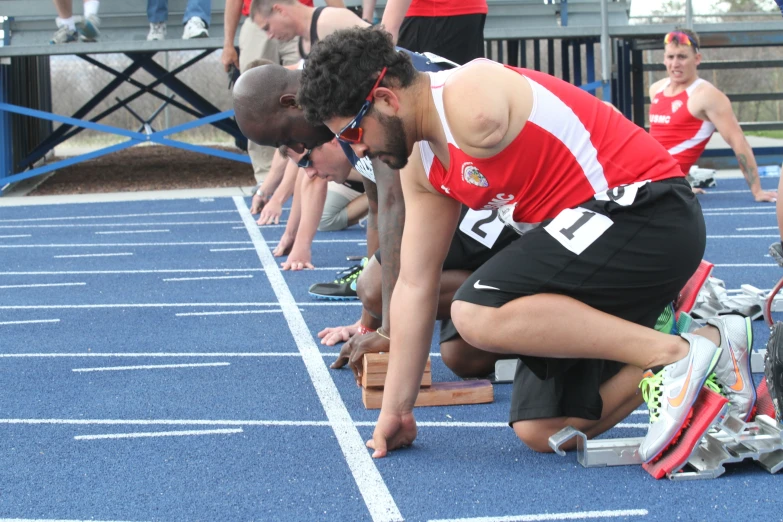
(464, 360)
(534, 434)
(474, 323)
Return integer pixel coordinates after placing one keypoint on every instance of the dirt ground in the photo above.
(147, 168)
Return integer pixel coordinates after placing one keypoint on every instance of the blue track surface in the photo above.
(214, 401)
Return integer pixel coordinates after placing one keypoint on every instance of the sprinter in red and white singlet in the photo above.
(685, 110)
(609, 233)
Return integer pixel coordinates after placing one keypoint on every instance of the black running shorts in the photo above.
(457, 38)
(627, 254)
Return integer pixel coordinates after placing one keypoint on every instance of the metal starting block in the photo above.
(714, 299)
(723, 443)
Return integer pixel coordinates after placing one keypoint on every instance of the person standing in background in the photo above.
(70, 28)
(453, 30)
(196, 19)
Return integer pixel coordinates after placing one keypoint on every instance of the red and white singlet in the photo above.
(572, 148)
(679, 131)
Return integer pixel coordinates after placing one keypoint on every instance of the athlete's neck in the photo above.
(303, 19)
(427, 122)
(675, 87)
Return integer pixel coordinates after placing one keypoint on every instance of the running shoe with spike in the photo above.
(733, 371)
(343, 288)
(671, 392)
(773, 368)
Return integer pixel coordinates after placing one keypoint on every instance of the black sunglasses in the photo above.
(305, 161)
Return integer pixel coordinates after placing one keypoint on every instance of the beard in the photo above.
(396, 147)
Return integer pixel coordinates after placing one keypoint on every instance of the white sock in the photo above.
(91, 8)
(66, 22)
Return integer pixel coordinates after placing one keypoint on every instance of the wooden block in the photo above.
(440, 394)
(374, 369)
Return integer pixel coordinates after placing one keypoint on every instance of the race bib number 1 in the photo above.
(577, 228)
(482, 225)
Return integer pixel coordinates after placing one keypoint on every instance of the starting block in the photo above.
(700, 453)
(430, 394)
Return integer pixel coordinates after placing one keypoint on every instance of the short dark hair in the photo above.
(264, 7)
(343, 67)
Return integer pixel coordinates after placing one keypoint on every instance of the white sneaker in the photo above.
(88, 27)
(671, 393)
(64, 35)
(195, 28)
(157, 31)
(733, 368)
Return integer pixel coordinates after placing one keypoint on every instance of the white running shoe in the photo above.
(733, 371)
(157, 32)
(88, 27)
(670, 394)
(195, 28)
(64, 35)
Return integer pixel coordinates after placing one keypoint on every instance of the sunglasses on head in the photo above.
(305, 161)
(681, 38)
(352, 133)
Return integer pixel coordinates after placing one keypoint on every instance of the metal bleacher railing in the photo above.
(25, 100)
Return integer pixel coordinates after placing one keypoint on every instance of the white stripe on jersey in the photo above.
(705, 131)
(551, 114)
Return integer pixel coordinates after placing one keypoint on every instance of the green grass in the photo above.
(767, 134)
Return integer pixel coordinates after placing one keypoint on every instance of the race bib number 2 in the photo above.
(578, 228)
(482, 225)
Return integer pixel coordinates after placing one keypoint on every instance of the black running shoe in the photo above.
(773, 368)
(343, 288)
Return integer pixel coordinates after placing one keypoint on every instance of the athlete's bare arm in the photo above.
(430, 222)
(712, 105)
(334, 18)
(393, 15)
(486, 106)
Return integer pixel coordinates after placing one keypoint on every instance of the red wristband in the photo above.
(363, 330)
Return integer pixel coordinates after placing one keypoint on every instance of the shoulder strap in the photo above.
(314, 26)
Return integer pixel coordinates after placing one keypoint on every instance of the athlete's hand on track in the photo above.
(257, 204)
(766, 195)
(271, 213)
(298, 260)
(393, 430)
(338, 334)
(283, 247)
(353, 352)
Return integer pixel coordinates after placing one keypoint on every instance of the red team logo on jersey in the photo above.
(472, 175)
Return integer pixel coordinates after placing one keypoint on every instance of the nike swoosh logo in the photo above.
(676, 401)
(478, 286)
(740, 384)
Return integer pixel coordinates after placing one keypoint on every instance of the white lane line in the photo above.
(739, 213)
(727, 209)
(52, 520)
(756, 228)
(158, 434)
(208, 278)
(41, 285)
(132, 231)
(92, 245)
(234, 312)
(281, 225)
(229, 249)
(743, 265)
(118, 216)
(170, 305)
(162, 271)
(373, 489)
(164, 354)
(153, 223)
(31, 321)
(95, 255)
(252, 423)
(16, 235)
(743, 236)
(339, 241)
(149, 367)
(575, 515)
